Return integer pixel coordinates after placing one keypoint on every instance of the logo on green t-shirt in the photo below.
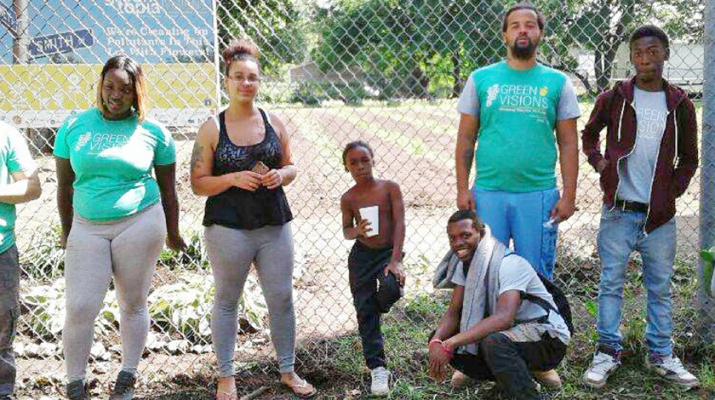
(516, 147)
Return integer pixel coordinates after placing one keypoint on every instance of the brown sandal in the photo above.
(233, 395)
(227, 395)
(302, 385)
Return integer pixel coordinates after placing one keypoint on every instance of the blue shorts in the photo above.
(522, 217)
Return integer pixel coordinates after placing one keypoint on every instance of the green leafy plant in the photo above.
(43, 258)
(185, 306)
(47, 310)
(592, 308)
(194, 257)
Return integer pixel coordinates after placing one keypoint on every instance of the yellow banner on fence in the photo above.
(43, 95)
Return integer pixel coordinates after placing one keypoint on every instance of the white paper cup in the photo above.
(372, 214)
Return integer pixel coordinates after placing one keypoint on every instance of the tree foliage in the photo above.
(426, 48)
(279, 27)
(599, 27)
(409, 48)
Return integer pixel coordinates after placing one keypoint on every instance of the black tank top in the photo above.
(239, 208)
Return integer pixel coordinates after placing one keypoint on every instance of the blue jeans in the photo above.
(621, 233)
(521, 217)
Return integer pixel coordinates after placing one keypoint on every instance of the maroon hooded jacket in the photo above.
(677, 157)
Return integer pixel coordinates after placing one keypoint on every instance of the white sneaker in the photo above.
(672, 369)
(601, 367)
(380, 381)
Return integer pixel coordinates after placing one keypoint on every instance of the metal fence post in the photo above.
(707, 175)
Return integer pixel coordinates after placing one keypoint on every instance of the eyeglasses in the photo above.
(250, 79)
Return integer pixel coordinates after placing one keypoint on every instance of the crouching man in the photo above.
(502, 323)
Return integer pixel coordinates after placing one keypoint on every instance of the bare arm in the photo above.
(398, 217)
(449, 324)
(398, 235)
(567, 139)
(65, 179)
(203, 182)
(26, 187)
(287, 173)
(166, 178)
(464, 154)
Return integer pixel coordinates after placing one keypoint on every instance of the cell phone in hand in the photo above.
(260, 168)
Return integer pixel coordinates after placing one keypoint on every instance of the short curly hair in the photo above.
(355, 144)
(650, 31)
(470, 215)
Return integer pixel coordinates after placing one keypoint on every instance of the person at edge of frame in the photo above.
(19, 183)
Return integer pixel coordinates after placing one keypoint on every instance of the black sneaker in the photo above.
(124, 387)
(7, 397)
(76, 390)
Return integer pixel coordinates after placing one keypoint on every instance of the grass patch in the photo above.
(335, 365)
(406, 329)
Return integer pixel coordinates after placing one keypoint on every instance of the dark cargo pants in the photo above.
(9, 312)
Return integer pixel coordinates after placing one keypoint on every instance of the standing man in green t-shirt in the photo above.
(512, 108)
(19, 183)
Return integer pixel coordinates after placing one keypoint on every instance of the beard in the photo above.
(523, 51)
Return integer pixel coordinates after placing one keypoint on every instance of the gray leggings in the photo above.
(231, 252)
(126, 249)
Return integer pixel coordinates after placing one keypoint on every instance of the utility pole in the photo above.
(22, 37)
(706, 304)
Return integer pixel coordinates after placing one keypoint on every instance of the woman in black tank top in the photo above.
(241, 161)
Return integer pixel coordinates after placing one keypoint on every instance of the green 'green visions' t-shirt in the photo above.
(112, 161)
(14, 157)
(517, 112)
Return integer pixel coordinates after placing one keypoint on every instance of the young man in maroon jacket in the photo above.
(651, 155)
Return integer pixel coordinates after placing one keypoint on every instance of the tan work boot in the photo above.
(550, 378)
(459, 380)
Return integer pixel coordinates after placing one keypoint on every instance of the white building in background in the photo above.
(685, 67)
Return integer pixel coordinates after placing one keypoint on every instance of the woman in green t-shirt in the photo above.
(113, 222)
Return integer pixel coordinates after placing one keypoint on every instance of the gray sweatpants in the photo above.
(231, 252)
(126, 249)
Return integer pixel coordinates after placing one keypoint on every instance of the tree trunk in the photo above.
(457, 74)
(598, 68)
(609, 57)
(20, 51)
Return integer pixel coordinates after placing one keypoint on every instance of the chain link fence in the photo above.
(385, 71)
